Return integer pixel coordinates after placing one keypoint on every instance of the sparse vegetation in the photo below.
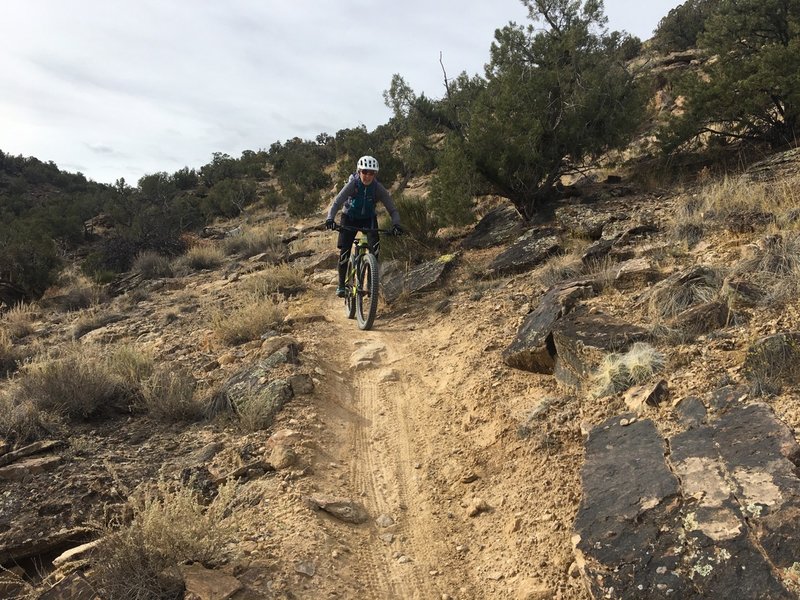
(18, 320)
(561, 268)
(92, 319)
(683, 290)
(152, 265)
(285, 279)
(253, 241)
(170, 395)
(76, 385)
(618, 372)
(21, 421)
(420, 225)
(199, 258)
(774, 265)
(254, 317)
(171, 526)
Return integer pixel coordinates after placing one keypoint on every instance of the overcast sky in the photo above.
(123, 88)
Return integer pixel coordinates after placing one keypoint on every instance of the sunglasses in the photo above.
(366, 172)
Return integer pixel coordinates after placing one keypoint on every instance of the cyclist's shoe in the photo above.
(341, 292)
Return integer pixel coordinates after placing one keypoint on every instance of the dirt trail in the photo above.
(387, 434)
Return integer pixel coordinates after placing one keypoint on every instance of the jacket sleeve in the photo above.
(385, 197)
(346, 192)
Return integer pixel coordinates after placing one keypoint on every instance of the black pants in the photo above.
(347, 237)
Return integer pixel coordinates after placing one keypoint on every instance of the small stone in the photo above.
(384, 521)
(574, 570)
(495, 576)
(477, 506)
(387, 537)
(404, 559)
(306, 568)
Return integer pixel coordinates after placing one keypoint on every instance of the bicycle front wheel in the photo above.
(350, 290)
(367, 297)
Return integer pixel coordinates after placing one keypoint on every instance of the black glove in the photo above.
(330, 224)
(397, 230)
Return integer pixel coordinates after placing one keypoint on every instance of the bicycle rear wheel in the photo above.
(367, 297)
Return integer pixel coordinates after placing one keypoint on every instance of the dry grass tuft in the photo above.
(562, 268)
(774, 265)
(170, 395)
(152, 265)
(9, 354)
(618, 372)
(253, 241)
(18, 320)
(678, 292)
(254, 317)
(93, 318)
(21, 422)
(199, 258)
(277, 279)
(76, 385)
(171, 526)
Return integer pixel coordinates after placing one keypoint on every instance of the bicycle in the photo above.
(362, 281)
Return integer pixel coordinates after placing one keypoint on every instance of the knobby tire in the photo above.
(350, 293)
(367, 298)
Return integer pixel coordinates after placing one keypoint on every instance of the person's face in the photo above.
(367, 176)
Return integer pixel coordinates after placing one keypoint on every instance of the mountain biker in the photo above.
(357, 200)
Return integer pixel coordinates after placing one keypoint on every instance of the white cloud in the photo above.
(120, 89)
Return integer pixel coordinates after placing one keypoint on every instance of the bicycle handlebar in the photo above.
(337, 227)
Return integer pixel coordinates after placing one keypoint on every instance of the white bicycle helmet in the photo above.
(367, 162)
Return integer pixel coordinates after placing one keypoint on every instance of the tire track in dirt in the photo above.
(385, 443)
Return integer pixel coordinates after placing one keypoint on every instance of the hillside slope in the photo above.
(419, 464)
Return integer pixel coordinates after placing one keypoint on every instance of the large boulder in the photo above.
(583, 221)
(581, 343)
(253, 395)
(421, 278)
(498, 226)
(529, 251)
(533, 348)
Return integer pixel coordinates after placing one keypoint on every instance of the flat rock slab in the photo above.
(583, 341)
(496, 227)
(419, 279)
(341, 508)
(583, 221)
(533, 349)
(73, 587)
(206, 584)
(712, 513)
(29, 466)
(529, 251)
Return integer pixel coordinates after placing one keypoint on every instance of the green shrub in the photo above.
(420, 226)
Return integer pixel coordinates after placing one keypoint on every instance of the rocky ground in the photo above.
(413, 461)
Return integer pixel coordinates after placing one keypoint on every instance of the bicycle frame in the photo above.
(362, 279)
